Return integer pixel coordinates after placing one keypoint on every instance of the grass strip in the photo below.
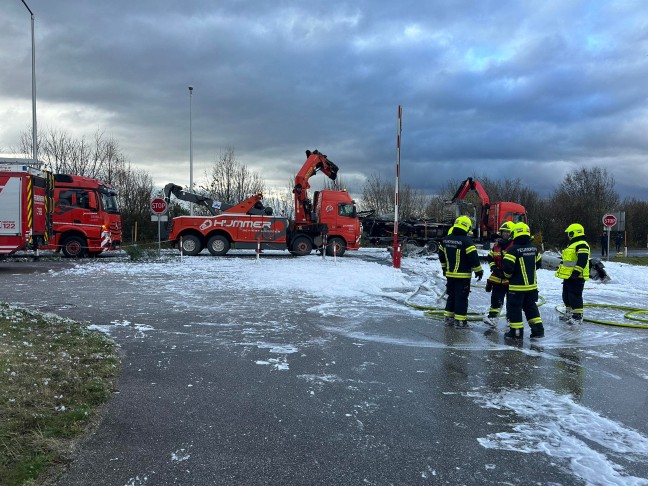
(54, 376)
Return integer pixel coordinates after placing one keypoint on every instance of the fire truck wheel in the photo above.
(191, 245)
(336, 245)
(74, 247)
(302, 246)
(218, 245)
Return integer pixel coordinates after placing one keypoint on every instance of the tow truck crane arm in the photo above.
(213, 207)
(472, 185)
(468, 185)
(252, 205)
(315, 161)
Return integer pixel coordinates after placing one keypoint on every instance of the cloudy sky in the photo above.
(499, 87)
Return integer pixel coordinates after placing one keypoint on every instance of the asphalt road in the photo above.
(250, 388)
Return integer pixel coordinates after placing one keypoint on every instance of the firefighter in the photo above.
(497, 282)
(574, 271)
(521, 261)
(459, 259)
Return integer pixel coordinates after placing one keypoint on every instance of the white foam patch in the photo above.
(278, 348)
(557, 426)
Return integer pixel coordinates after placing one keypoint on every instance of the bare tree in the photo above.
(231, 181)
(100, 158)
(135, 188)
(636, 221)
(584, 196)
(379, 195)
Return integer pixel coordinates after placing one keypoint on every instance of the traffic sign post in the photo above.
(159, 209)
(609, 220)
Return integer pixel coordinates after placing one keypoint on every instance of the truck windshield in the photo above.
(109, 202)
(345, 209)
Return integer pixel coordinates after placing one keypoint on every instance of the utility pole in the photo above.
(191, 208)
(34, 131)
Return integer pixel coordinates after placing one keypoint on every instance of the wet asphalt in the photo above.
(251, 388)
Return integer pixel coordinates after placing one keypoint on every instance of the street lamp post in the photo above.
(34, 137)
(190, 151)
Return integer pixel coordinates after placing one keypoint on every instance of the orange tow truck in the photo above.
(328, 223)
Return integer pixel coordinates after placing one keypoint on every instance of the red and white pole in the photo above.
(397, 248)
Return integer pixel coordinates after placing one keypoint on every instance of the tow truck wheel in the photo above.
(191, 245)
(218, 245)
(73, 247)
(336, 246)
(302, 246)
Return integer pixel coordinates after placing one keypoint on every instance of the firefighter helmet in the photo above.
(507, 226)
(574, 230)
(521, 229)
(464, 223)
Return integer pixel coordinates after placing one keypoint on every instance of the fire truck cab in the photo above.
(87, 220)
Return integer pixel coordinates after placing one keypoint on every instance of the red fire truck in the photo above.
(26, 202)
(87, 220)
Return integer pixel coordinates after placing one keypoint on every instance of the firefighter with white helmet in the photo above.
(497, 283)
(520, 264)
(459, 260)
(574, 271)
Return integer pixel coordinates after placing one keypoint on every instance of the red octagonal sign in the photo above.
(158, 206)
(609, 220)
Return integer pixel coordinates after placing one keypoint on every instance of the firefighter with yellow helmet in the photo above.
(459, 260)
(497, 283)
(521, 262)
(574, 271)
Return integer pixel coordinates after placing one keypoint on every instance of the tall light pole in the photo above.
(34, 137)
(190, 151)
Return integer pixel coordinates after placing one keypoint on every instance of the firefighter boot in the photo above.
(537, 331)
(567, 315)
(462, 325)
(575, 319)
(449, 321)
(515, 333)
(492, 319)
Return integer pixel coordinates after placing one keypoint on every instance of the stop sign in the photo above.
(609, 220)
(158, 206)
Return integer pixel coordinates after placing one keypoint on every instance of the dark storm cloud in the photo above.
(509, 89)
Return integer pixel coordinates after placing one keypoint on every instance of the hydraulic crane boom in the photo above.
(212, 206)
(315, 161)
(468, 185)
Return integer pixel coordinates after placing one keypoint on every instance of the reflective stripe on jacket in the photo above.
(458, 256)
(575, 258)
(495, 261)
(520, 264)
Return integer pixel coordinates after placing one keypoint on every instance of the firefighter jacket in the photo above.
(575, 258)
(458, 255)
(521, 261)
(495, 256)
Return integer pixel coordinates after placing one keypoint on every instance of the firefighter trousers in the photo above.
(458, 292)
(498, 294)
(572, 294)
(518, 302)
